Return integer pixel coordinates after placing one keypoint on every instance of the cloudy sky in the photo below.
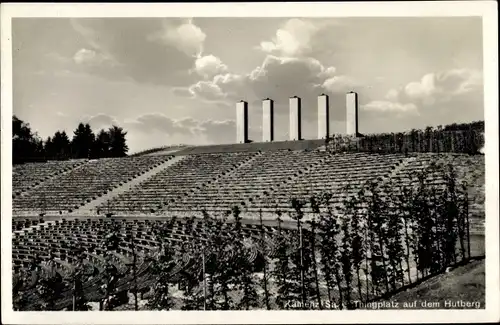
(169, 81)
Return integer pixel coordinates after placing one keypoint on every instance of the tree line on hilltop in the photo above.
(27, 146)
(476, 126)
(462, 138)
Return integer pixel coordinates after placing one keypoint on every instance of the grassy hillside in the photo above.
(460, 288)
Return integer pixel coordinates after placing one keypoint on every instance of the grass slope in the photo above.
(460, 288)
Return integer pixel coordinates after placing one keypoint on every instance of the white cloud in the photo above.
(208, 66)
(187, 37)
(436, 99)
(434, 93)
(84, 55)
(339, 84)
(423, 88)
(461, 81)
(184, 130)
(88, 34)
(182, 91)
(391, 107)
(271, 64)
(220, 87)
(284, 77)
(267, 47)
(219, 131)
(292, 40)
(101, 121)
(392, 95)
(152, 130)
(160, 122)
(277, 78)
(207, 89)
(227, 78)
(442, 86)
(91, 58)
(232, 85)
(328, 72)
(99, 53)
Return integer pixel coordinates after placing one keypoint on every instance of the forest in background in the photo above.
(27, 146)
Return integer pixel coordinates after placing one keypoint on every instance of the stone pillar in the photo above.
(267, 120)
(352, 113)
(295, 118)
(323, 117)
(242, 122)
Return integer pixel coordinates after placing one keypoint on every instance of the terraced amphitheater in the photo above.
(183, 201)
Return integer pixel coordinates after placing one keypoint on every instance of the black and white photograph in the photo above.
(183, 157)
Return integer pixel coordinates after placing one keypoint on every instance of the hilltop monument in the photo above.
(351, 113)
(242, 122)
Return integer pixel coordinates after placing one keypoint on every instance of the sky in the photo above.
(176, 80)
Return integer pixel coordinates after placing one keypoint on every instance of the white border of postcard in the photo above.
(486, 9)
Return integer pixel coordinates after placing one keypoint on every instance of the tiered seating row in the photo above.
(220, 181)
(25, 176)
(63, 237)
(468, 169)
(85, 183)
(471, 170)
(167, 186)
(19, 224)
(330, 177)
(264, 173)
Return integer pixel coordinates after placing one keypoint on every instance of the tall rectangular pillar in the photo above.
(295, 116)
(323, 117)
(267, 120)
(352, 113)
(242, 122)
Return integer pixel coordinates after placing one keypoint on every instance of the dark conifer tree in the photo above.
(329, 232)
(376, 218)
(19, 292)
(300, 259)
(161, 268)
(394, 245)
(83, 141)
(281, 271)
(403, 202)
(77, 279)
(219, 266)
(357, 239)
(111, 273)
(102, 145)
(62, 145)
(315, 206)
(243, 273)
(26, 145)
(117, 142)
(264, 250)
(194, 298)
(49, 148)
(50, 285)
